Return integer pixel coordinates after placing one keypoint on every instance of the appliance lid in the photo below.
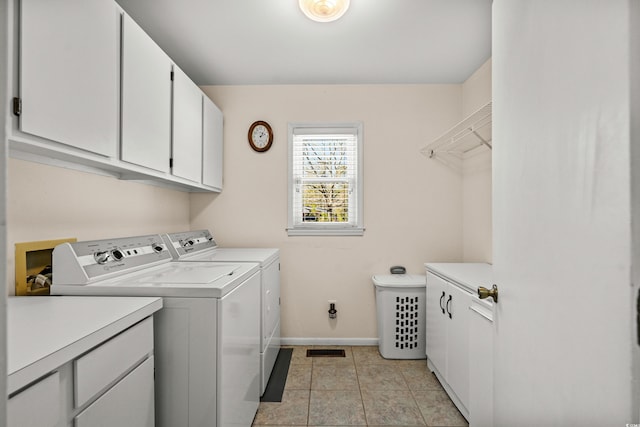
(209, 273)
(174, 279)
(264, 256)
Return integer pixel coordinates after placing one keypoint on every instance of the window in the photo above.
(325, 179)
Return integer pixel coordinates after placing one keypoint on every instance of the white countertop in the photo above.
(44, 333)
(467, 275)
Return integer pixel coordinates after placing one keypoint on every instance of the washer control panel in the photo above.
(102, 258)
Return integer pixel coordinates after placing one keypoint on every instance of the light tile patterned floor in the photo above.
(361, 389)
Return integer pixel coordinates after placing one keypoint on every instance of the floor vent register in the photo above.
(326, 353)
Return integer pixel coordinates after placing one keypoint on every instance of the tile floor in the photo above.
(361, 389)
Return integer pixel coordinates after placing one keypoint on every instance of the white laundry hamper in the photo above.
(401, 307)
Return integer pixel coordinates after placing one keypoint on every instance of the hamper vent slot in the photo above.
(325, 353)
(407, 309)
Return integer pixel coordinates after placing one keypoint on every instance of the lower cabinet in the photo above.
(447, 345)
(46, 391)
(120, 400)
(111, 385)
(128, 403)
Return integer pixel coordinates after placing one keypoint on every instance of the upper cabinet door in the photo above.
(69, 72)
(187, 127)
(146, 100)
(212, 144)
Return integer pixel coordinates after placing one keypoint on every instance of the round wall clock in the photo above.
(260, 136)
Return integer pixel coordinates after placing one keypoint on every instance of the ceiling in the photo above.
(239, 42)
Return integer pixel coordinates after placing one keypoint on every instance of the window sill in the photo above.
(325, 231)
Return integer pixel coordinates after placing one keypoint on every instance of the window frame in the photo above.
(320, 228)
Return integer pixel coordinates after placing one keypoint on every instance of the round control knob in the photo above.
(117, 254)
(157, 248)
(101, 257)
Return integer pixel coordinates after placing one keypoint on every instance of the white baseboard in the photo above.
(329, 341)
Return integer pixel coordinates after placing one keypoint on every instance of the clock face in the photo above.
(260, 136)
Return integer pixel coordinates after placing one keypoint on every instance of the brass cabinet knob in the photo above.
(485, 293)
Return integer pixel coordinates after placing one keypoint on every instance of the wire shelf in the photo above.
(463, 140)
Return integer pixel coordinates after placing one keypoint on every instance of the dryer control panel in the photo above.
(81, 263)
(188, 243)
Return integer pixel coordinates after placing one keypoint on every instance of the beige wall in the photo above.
(476, 182)
(413, 206)
(476, 91)
(46, 202)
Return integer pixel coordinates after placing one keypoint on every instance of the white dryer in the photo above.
(200, 246)
(207, 336)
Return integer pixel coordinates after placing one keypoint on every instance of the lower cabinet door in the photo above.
(436, 317)
(128, 403)
(458, 342)
(37, 406)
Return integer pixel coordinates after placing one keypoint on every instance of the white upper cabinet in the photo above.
(146, 100)
(94, 92)
(69, 72)
(212, 134)
(187, 127)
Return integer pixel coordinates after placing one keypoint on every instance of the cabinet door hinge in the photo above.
(17, 106)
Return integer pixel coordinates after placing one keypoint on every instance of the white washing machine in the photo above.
(207, 336)
(199, 246)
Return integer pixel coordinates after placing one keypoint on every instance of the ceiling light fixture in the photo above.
(324, 10)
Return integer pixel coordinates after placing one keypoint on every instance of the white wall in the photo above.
(46, 202)
(476, 181)
(413, 205)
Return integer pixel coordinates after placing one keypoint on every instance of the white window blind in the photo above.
(325, 179)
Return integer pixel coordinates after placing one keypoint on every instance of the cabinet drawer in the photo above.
(38, 405)
(100, 367)
(128, 403)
